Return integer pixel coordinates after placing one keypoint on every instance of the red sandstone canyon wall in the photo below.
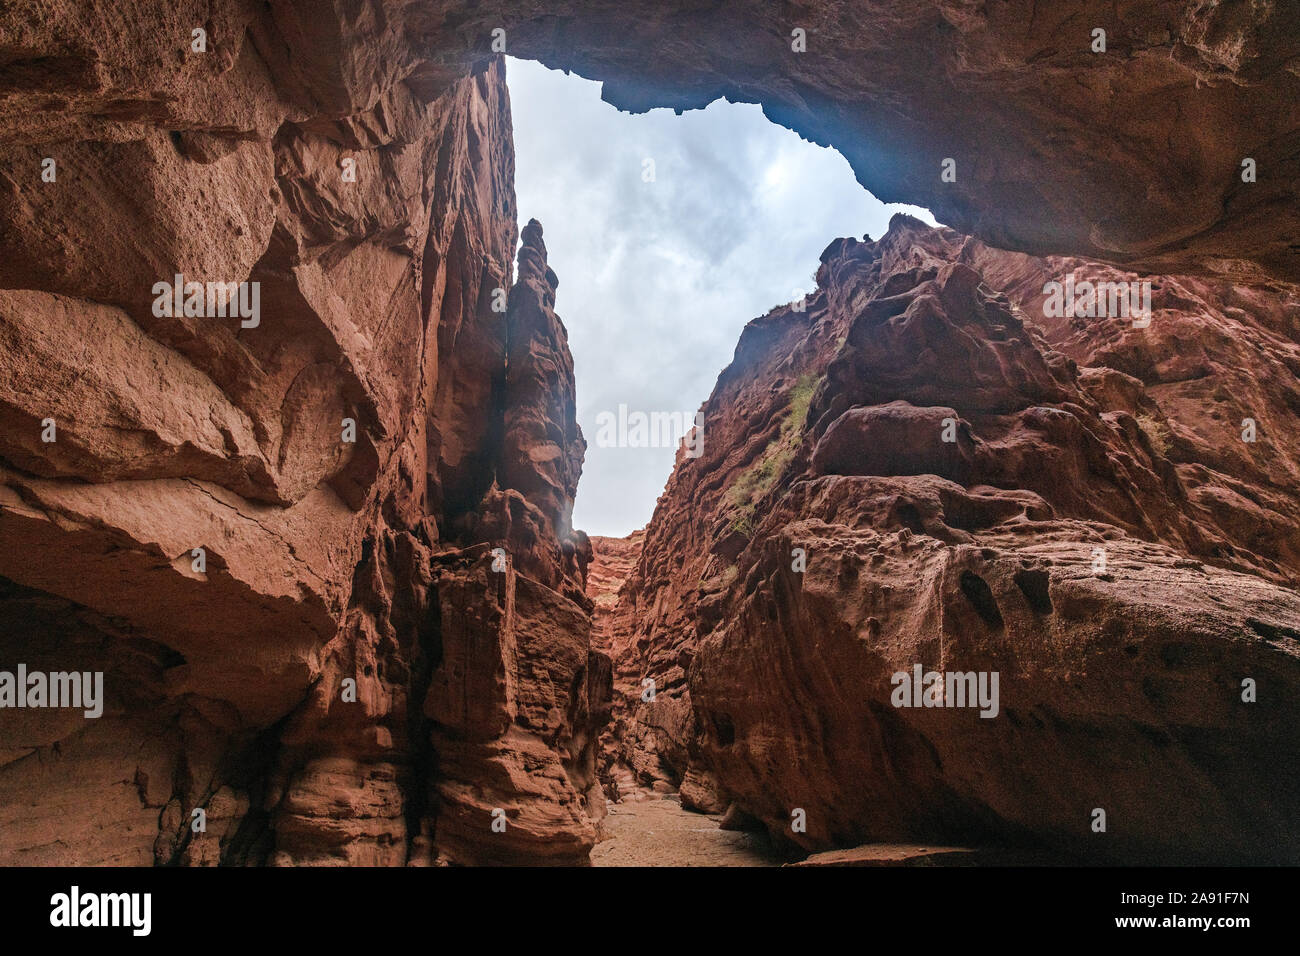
(372, 201)
(324, 556)
(829, 538)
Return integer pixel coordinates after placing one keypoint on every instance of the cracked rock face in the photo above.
(1095, 531)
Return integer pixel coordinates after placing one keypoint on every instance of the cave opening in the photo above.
(668, 232)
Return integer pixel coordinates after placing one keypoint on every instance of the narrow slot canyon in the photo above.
(957, 564)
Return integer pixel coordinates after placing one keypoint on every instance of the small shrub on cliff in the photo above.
(1157, 432)
(722, 580)
(757, 480)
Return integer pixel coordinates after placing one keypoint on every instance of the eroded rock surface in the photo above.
(614, 561)
(236, 520)
(1096, 531)
(355, 162)
(1131, 155)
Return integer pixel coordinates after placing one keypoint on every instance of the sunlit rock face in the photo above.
(920, 469)
(614, 632)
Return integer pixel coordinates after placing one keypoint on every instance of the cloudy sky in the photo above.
(658, 278)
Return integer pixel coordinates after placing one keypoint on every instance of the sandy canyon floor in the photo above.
(657, 831)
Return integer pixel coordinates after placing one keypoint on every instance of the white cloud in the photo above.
(657, 279)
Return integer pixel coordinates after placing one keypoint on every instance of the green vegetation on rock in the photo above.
(757, 480)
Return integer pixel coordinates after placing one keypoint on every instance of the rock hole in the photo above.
(979, 594)
(910, 518)
(1034, 586)
(725, 729)
(1272, 632)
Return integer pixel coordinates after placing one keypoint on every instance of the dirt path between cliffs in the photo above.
(656, 831)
